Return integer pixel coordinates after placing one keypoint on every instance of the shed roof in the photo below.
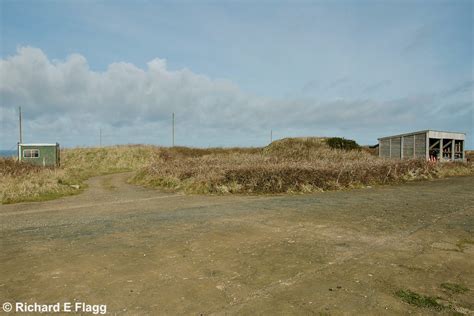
(422, 132)
(38, 144)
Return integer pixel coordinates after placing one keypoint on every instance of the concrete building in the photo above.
(444, 146)
(39, 154)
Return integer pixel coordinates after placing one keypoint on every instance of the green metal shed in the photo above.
(39, 154)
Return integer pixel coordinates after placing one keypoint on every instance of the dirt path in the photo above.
(144, 252)
(102, 191)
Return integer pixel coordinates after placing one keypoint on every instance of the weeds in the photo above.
(419, 300)
(454, 288)
(288, 165)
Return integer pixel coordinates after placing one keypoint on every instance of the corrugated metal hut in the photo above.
(40, 154)
(429, 144)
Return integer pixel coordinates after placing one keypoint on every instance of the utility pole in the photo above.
(19, 116)
(172, 130)
(100, 137)
(271, 136)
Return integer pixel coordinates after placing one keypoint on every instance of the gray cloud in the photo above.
(66, 101)
(377, 86)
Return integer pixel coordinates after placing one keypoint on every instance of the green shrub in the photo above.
(342, 143)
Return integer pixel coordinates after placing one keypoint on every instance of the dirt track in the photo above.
(144, 252)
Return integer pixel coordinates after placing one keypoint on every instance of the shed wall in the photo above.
(384, 148)
(420, 146)
(408, 142)
(415, 145)
(48, 155)
(396, 147)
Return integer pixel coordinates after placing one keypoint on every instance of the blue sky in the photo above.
(234, 70)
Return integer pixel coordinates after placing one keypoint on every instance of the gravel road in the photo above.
(145, 252)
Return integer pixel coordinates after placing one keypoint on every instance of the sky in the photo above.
(233, 71)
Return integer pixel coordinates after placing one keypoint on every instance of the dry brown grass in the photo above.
(258, 173)
(289, 165)
(470, 155)
(453, 169)
(23, 182)
(11, 167)
(83, 163)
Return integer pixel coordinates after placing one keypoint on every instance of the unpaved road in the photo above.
(142, 252)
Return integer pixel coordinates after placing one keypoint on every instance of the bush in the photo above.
(310, 169)
(342, 143)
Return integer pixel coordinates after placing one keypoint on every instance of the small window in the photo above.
(31, 153)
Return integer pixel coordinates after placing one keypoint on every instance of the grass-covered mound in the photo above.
(288, 165)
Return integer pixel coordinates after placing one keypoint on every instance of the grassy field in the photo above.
(22, 182)
(286, 166)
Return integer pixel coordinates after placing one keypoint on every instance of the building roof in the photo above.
(421, 132)
(38, 144)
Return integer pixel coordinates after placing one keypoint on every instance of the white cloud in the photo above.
(66, 101)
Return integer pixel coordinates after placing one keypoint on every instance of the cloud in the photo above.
(65, 100)
(377, 86)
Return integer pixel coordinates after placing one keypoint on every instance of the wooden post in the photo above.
(401, 147)
(453, 149)
(414, 146)
(441, 149)
(427, 146)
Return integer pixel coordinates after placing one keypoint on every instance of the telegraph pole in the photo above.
(271, 136)
(100, 137)
(19, 117)
(172, 132)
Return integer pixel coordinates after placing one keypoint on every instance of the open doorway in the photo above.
(435, 149)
